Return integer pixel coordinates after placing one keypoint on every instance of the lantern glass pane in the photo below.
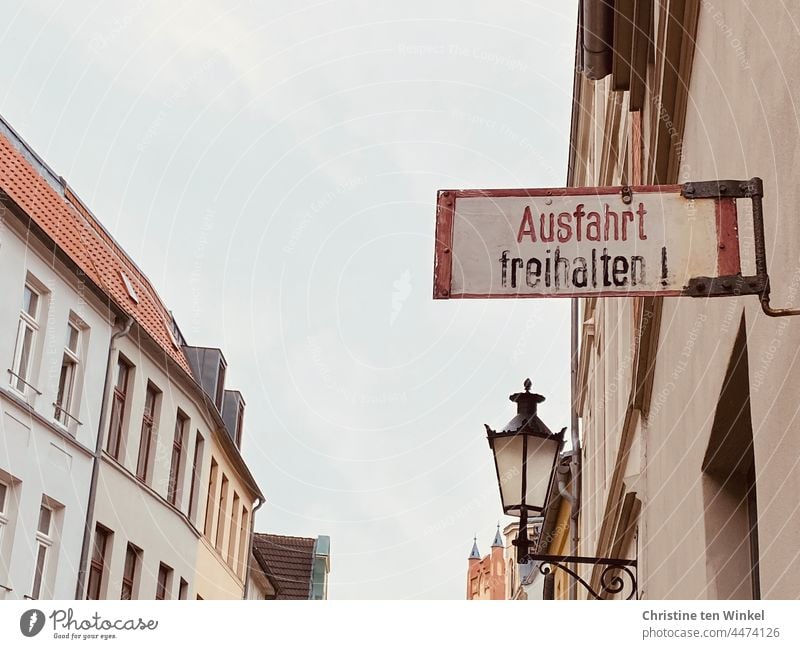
(508, 456)
(542, 454)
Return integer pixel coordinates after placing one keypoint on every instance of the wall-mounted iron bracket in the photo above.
(737, 284)
(618, 577)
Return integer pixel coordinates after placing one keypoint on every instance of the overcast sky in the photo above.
(273, 167)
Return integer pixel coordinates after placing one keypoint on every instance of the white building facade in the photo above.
(54, 337)
(121, 475)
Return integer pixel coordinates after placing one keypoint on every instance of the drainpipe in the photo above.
(597, 33)
(562, 474)
(98, 451)
(250, 549)
(576, 464)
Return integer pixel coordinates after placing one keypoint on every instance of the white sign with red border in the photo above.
(574, 242)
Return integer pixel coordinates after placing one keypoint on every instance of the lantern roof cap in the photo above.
(526, 401)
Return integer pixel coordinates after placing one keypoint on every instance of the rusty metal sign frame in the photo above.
(730, 281)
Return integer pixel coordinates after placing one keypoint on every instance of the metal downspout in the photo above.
(597, 33)
(98, 451)
(250, 550)
(576, 464)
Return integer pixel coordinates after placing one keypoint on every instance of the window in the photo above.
(221, 516)
(212, 487)
(239, 424)
(129, 287)
(146, 438)
(244, 538)
(197, 464)
(115, 432)
(3, 511)
(66, 381)
(98, 562)
(129, 571)
(44, 541)
(26, 338)
(183, 589)
(174, 486)
(4, 497)
(220, 385)
(729, 486)
(164, 579)
(232, 531)
(174, 333)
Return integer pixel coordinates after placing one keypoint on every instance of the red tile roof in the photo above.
(73, 228)
(289, 560)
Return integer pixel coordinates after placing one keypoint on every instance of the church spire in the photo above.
(474, 554)
(498, 539)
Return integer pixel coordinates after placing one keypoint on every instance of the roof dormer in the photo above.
(208, 367)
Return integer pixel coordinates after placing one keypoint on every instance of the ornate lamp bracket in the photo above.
(618, 576)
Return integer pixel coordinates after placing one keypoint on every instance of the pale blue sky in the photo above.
(273, 168)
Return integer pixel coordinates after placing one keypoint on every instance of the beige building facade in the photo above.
(688, 406)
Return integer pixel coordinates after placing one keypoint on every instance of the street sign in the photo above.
(595, 241)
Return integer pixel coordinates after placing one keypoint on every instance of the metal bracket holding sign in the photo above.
(651, 240)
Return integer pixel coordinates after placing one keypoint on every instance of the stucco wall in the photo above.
(216, 578)
(141, 514)
(44, 459)
(742, 121)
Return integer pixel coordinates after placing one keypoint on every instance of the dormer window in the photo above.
(174, 332)
(220, 385)
(239, 424)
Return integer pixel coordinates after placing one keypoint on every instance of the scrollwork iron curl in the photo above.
(613, 579)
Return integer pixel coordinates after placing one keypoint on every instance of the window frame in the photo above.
(232, 550)
(5, 519)
(222, 513)
(119, 397)
(220, 393)
(4, 499)
(130, 581)
(194, 487)
(211, 499)
(64, 406)
(174, 492)
(239, 424)
(147, 434)
(44, 542)
(97, 567)
(164, 587)
(20, 377)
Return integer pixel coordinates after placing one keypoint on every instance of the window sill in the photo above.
(64, 429)
(13, 396)
(69, 416)
(23, 393)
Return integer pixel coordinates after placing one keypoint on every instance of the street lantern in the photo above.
(526, 455)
